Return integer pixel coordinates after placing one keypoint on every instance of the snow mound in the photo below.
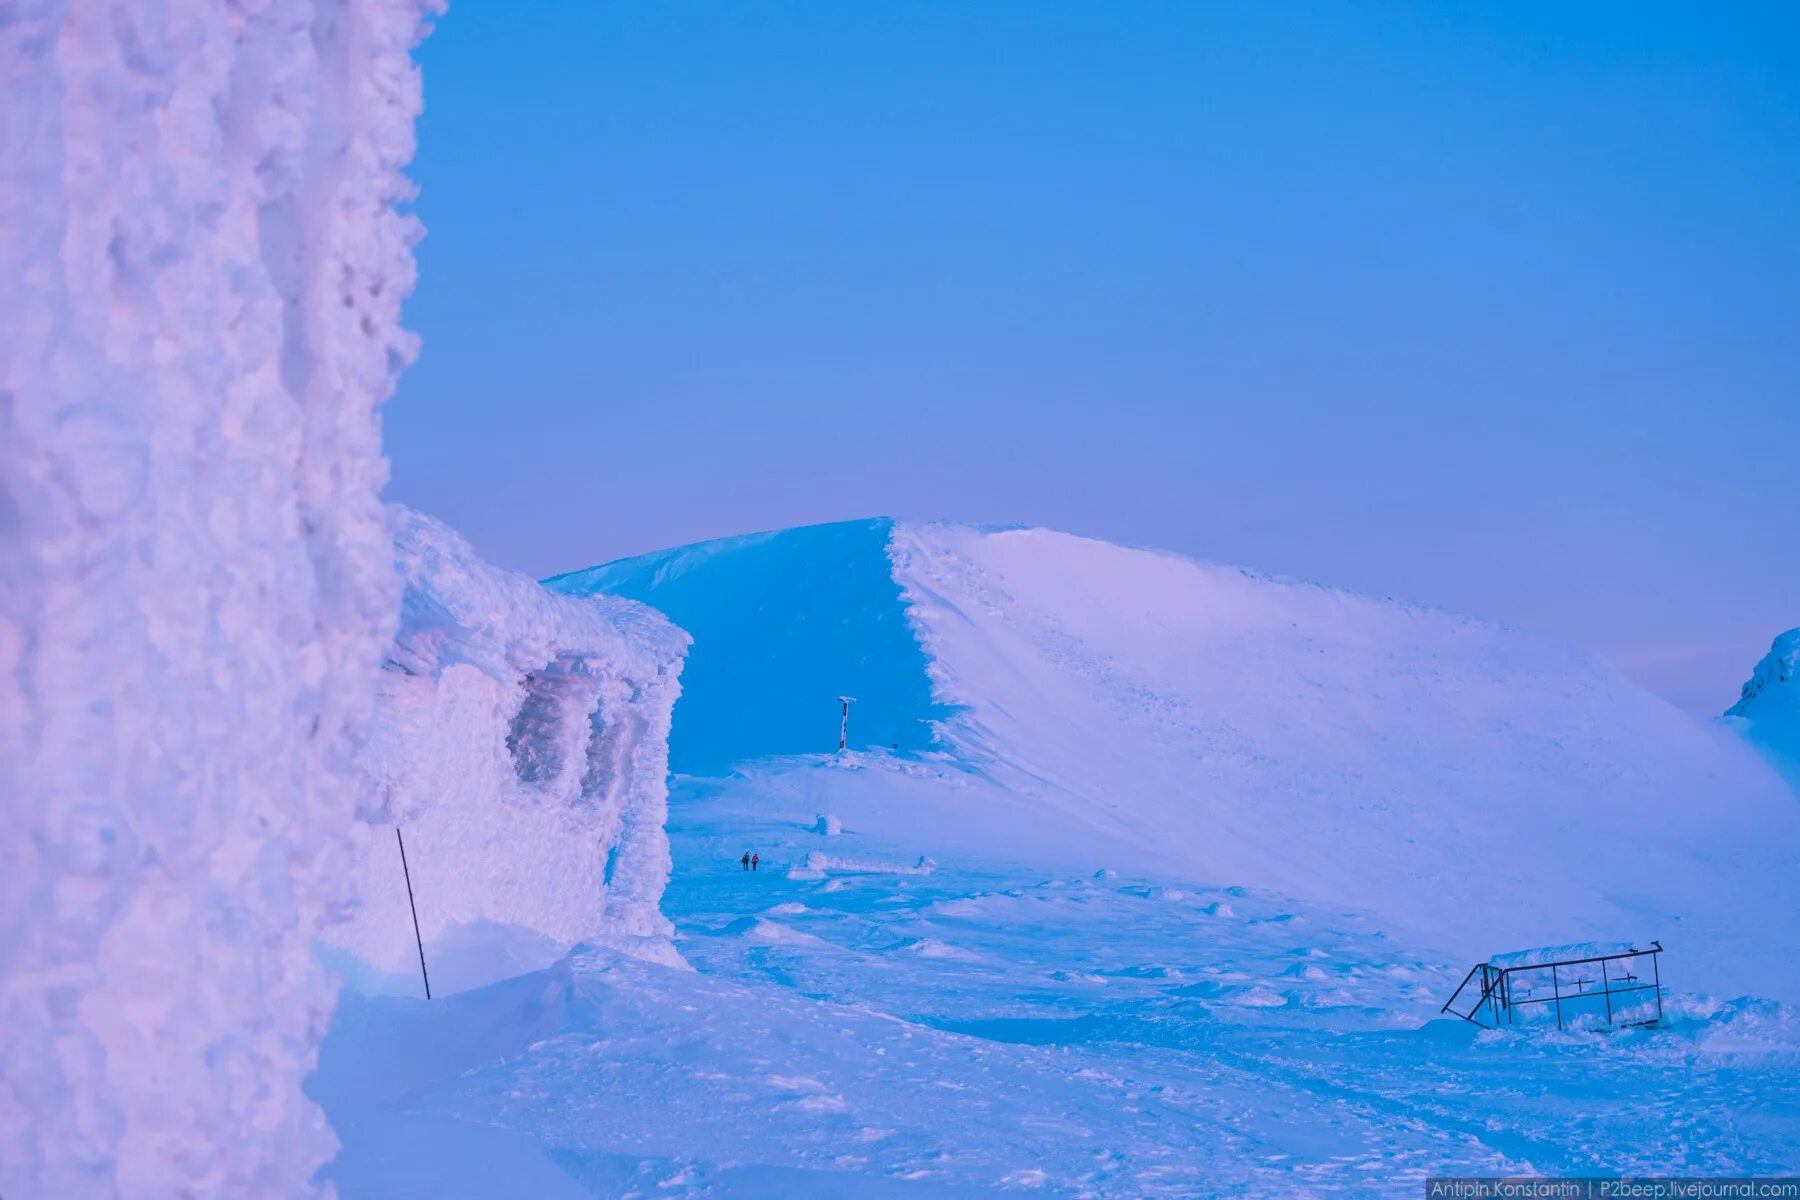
(520, 743)
(1768, 711)
(201, 273)
(818, 864)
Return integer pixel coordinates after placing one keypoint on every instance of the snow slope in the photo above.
(520, 742)
(201, 273)
(1768, 711)
(1474, 786)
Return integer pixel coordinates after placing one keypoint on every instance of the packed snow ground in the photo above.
(990, 1026)
(1171, 912)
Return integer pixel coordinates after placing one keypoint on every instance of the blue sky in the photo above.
(1490, 307)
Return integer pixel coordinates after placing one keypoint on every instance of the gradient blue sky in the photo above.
(1494, 307)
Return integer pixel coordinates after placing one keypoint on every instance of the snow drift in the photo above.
(201, 271)
(1768, 711)
(1472, 784)
(520, 742)
(1469, 786)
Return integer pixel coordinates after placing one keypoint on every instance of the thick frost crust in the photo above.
(521, 744)
(1768, 711)
(201, 269)
(1775, 684)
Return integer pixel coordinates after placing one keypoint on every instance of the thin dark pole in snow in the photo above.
(407, 871)
(844, 728)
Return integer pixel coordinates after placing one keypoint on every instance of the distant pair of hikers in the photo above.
(750, 860)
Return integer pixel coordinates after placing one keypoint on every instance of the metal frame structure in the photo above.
(1503, 991)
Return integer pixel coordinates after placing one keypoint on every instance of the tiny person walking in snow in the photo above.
(745, 860)
(754, 859)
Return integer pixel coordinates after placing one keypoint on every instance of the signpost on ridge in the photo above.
(844, 725)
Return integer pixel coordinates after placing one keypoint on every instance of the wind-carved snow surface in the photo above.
(1474, 786)
(201, 270)
(520, 742)
(1768, 711)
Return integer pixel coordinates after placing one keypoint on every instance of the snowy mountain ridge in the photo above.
(782, 618)
(1476, 786)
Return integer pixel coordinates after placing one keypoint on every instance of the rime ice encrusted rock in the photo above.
(521, 741)
(201, 271)
(1768, 710)
(1775, 684)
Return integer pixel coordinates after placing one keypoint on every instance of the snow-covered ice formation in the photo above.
(201, 272)
(1768, 711)
(520, 742)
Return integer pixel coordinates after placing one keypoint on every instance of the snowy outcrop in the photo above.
(201, 272)
(1768, 711)
(520, 743)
